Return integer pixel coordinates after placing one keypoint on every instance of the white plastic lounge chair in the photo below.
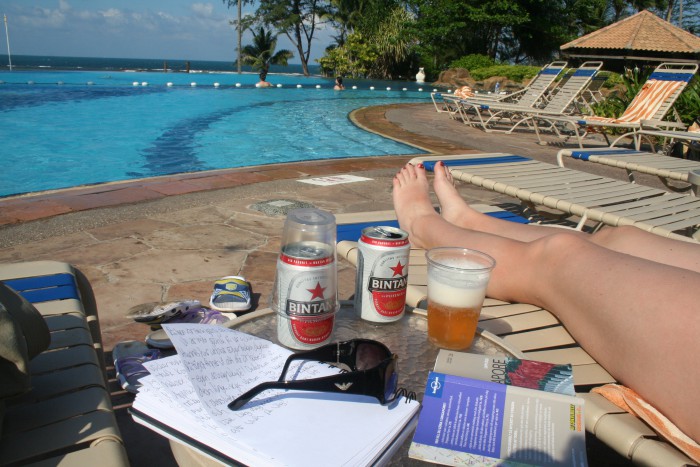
(66, 417)
(562, 102)
(651, 104)
(529, 95)
(601, 200)
(668, 169)
(649, 131)
(592, 94)
(534, 333)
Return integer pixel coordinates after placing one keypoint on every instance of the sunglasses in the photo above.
(372, 372)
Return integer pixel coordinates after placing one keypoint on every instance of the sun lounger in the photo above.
(650, 133)
(652, 103)
(668, 169)
(534, 333)
(590, 197)
(528, 96)
(592, 94)
(66, 417)
(563, 102)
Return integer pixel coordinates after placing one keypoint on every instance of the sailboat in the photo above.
(7, 35)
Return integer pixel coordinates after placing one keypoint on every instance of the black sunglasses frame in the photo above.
(372, 381)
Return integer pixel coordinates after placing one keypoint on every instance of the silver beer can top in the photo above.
(384, 236)
(307, 254)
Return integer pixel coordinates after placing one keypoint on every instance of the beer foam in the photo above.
(455, 296)
(459, 262)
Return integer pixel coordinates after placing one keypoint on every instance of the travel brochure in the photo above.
(185, 398)
(497, 410)
(466, 421)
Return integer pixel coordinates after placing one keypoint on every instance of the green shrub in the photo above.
(354, 59)
(473, 62)
(517, 73)
(688, 103)
(611, 79)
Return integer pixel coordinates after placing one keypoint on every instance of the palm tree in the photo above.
(261, 54)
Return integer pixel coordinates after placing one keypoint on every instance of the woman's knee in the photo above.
(534, 270)
(558, 250)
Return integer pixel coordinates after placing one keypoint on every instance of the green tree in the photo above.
(393, 40)
(354, 58)
(447, 30)
(345, 15)
(239, 27)
(261, 54)
(549, 24)
(296, 19)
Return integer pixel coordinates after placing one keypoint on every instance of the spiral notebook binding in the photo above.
(408, 395)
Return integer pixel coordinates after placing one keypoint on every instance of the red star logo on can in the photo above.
(398, 269)
(317, 292)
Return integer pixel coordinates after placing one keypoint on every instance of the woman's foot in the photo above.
(453, 207)
(412, 203)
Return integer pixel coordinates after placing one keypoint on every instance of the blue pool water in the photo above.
(68, 128)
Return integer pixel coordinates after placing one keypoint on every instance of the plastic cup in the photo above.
(457, 280)
(309, 225)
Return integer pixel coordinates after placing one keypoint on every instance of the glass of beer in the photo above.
(457, 280)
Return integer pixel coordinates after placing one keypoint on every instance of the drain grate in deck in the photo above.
(280, 207)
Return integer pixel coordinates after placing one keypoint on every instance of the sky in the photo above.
(162, 29)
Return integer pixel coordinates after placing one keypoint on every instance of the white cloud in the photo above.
(43, 17)
(113, 16)
(203, 10)
(172, 28)
(168, 17)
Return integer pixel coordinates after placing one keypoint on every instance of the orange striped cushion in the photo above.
(628, 400)
(646, 103)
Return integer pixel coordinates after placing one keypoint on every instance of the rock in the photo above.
(455, 77)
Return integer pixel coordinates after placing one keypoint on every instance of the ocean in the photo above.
(37, 62)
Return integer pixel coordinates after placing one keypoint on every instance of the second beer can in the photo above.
(382, 274)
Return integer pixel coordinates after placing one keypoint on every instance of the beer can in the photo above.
(305, 294)
(382, 274)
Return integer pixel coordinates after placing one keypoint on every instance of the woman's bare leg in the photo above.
(637, 318)
(627, 239)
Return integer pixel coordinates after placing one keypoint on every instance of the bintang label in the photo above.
(388, 293)
(307, 293)
(310, 306)
(382, 273)
(379, 284)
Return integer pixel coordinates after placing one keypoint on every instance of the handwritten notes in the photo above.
(190, 392)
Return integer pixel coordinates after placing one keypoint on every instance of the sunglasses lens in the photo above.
(391, 379)
(369, 356)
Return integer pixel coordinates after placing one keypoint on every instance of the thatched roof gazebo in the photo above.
(643, 37)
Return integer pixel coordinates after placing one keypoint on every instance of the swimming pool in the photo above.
(64, 129)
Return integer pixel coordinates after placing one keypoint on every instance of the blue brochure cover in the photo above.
(464, 421)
